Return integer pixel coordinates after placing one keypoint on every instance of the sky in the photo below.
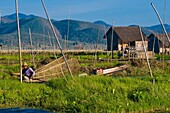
(115, 12)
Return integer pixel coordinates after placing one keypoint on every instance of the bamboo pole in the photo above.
(56, 58)
(107, 56)
(65, 42)
(144, 47)
(153, 48)
(58, 43)
(49, 40)
(31, 47)
(19, 39)
(0, 18)
(164, 11)
(163, 38)
(68, 28)
(44, 44)
(112, 42)
(163, 27)
(123, 49)
(95, 56)
(129, 52)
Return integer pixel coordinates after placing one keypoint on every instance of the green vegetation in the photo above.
(134, 93)
(81, 34)
(161, 57)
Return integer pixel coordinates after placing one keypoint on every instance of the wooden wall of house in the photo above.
(139, 45)
(114, 43)
(141, 54)
(120, 46)
(151, 43)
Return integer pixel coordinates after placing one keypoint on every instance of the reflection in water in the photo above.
(19, 110)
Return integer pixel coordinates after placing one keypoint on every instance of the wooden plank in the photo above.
(34, 81)
(115, 69)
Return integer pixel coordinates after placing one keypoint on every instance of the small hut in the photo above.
(119, 38)
(158, 43)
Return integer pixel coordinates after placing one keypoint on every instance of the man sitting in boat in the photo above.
(28, 72)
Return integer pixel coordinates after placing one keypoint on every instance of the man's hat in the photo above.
(25, 64)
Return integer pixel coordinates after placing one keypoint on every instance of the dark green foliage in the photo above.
(79, 32)
(88, 93)
(161, 57)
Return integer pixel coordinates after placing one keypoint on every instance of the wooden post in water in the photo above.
(107, 53)
(0, 19)
(58, 43)
(96, 54)
(32, 48)
(112, 42)
(144, 47)
(129, 52)
(123, 49)
(50, 41)
(19, 39)
(163, 27)
(153, 49)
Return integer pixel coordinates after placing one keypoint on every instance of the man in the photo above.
(28, 72)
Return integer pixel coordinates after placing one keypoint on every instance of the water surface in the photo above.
(19, 110)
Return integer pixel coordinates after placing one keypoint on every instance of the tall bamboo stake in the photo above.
(68, 28)
(163, 27)
(112, 42)
(107, 56)
(164, 39)
(31, 47)
(95, 56)
(49, 40)
(58, 43)
(164, 11)
(19, 39)
(144, 47)
(129, 52)
(0, 18)
(153, 48)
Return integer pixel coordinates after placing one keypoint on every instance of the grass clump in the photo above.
(87, 94)
(90, 93)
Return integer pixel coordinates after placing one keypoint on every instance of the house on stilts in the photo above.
(121, 38)
(158, 43)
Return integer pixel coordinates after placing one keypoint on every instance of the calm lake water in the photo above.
(19, 110)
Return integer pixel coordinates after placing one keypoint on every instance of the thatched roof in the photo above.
(127, 34)
(162, 38)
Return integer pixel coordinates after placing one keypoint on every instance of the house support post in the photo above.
(129, 51)
(123, 51)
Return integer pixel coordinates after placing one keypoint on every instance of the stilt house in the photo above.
(158, 43)
(119, 38)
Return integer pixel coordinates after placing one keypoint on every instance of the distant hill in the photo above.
(21, 16)
(146, 31)
(37, 25)
(79, 32)
(40, 30)
(5, 20)
(99, 22)
(74, 31)
(85, 32)
(158, 28)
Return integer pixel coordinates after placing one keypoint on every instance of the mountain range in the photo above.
(71, 33)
